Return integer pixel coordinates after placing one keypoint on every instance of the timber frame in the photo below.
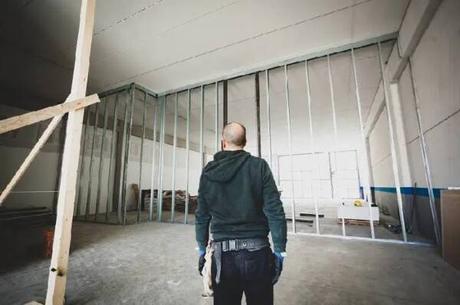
(74, 106)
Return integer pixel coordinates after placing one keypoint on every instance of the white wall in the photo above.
(42, 175)
(436, 70)
(380, 153)
(436, 73)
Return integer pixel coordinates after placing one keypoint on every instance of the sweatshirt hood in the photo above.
(225, 165)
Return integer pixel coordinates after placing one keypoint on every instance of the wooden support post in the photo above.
(33, 117)
(65, 208)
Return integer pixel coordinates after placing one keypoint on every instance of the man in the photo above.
(239, 197)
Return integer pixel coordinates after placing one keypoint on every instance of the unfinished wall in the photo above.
(40, 182)
(115, 166)
(436, 72)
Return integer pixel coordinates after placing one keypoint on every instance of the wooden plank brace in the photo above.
(33, 117)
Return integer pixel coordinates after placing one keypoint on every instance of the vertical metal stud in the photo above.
(112, 148)
(225, 102)
(202, 128)
(313, 145)
(161, 162)
(80, 186)
(88, 196)
(153, 175)
(187, 159)
(269, 124)
(288, 113)
(127, 152)
(123, 159)
(330, 173)
(334, 122)
(141, 159)
(426, 163)
(101, 161)
(173, 183)
(257, 89)
(367, 186)
(217, 118)
(392, 146)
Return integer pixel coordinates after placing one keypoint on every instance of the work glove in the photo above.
(201, 261)
(278, 266)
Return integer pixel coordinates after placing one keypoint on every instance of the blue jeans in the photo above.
(244, 271)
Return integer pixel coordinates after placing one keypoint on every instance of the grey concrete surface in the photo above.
(154, 263)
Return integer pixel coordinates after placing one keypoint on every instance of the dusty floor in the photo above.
(327, 225)
(155, 263)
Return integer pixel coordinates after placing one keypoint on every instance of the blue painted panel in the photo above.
(419, 191)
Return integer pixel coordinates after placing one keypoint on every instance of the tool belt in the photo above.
(252, 244)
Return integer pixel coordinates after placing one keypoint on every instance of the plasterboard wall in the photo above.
(436, 71)
(380, 153)
(42, 175)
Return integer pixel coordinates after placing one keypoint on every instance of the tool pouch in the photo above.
(207, 276)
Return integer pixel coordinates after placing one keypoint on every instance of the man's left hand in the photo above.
(279, 259)
(201, 262)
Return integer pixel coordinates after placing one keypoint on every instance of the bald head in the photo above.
(234, 136)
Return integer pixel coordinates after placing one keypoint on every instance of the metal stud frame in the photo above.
(158, 155)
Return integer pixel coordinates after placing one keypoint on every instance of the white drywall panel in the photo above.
(408, 105)
(411, 129)
(416, 163)
(443, 152)
(40, 177)
(380, 154)
(42, 174)
(436, 65)
(436, 69)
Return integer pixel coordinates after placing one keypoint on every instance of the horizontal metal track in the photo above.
(388, 241)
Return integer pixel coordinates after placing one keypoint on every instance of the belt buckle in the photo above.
(232, 245)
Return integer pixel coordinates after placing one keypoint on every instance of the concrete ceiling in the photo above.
(167, 44)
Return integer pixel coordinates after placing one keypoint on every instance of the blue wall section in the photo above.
(419, 191)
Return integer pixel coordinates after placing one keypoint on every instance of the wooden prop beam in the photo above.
(30, 157)
(33, 117)
(27, 119)
(62, 235)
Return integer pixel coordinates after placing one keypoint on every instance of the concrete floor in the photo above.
(328, 225)
(154, 263)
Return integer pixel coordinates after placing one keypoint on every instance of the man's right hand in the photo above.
(201, 262)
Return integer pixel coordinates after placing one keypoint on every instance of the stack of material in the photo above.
(192, 205)
(179, 202)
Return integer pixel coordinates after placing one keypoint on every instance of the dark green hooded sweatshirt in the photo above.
(239, 197)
